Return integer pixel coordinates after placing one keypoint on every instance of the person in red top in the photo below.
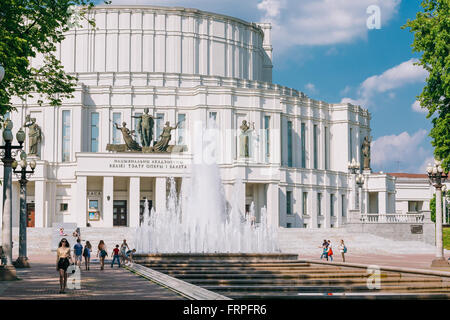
(115, 255)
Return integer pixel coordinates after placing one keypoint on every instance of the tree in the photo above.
(30, 28)
(431, 30)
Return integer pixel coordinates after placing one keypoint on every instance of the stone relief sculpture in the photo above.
(163, 143)
(366, 152)
(244, 139)
(34, 135)
(128, 137)
(145, 127)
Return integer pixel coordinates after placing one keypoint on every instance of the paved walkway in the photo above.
(418, 261)
(41, 281)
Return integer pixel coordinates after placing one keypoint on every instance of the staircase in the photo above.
(296, 279)
(307, 241)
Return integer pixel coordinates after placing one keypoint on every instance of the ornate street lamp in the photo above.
(23, 174)
(353, 166)
(7, 154)
(437, 176)
(360, 182)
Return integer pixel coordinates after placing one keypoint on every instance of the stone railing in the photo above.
(392, 218)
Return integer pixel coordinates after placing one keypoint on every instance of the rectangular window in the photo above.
(305, 204)
(94, 131)
(332, 205)
(315, 147)
(65, 135)
(327, 148)
(289, 142)
(267, 135)
(288, 202)
(136, 121)
(63, 207)
(319, 204)
(159, 125)
(343, 205)
(213, 116)
(117, 135)
(288, 225)
(303, 138)
(181, 129)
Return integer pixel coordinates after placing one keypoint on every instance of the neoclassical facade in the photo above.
(188, 66)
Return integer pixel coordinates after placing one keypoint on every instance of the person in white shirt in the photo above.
(342, 250)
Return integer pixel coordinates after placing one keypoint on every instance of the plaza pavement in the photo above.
(41, 282)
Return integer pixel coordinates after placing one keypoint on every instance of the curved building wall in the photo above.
(170, 40)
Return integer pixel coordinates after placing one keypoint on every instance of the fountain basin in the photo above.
(211, 257)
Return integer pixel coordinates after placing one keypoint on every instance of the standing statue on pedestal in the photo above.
(34, 135)
(163, 143)
(244, 139)
(128, 137)
(366, 152)
(145, 127)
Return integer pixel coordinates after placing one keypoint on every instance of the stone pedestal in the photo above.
(7, 273)
(22, 262)
(440, 263)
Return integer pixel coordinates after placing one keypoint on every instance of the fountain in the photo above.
(198, 222)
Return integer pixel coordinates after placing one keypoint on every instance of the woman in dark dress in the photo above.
(63, 260)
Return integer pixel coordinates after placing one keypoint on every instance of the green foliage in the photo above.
(433, 208)
(30, 29)
(446, 238)
(431, 30)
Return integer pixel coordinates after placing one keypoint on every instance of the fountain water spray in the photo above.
(198, 220)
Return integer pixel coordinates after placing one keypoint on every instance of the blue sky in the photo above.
(324, 48)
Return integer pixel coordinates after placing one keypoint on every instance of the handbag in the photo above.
(330, 252)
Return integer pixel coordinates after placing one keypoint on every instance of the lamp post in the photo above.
(353, 167)
(7, 159)
(23, 174)
(360, 182)
(437, 176)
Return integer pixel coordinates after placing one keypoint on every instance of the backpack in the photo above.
(345, 249)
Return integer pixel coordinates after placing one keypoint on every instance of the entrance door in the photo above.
(30, 215)
(120, 213)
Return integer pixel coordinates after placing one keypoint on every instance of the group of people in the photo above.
(64, 257)
(327, 250)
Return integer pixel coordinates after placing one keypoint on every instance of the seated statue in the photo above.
(128, 137)
(163, 143)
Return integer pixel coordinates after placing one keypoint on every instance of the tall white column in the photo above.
(382, 202)
(81, 196)
(108, 200)
(273, 205)
(39, 199)
(439, 244)
(160, 194)
(134, 192)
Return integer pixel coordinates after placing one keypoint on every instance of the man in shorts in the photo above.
(78, 252)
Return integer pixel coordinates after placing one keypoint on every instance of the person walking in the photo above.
(330, 250)
(342, 250)
(123, 250)
(324, 247)
(63, 260)
(78, 251)
(115, 255)
(87, 254)
(102, 253)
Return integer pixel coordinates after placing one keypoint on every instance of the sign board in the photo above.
(417, 229)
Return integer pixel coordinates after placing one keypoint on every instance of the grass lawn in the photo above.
(446, 237)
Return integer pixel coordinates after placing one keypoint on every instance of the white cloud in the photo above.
(296, 22)
(402, 152)
(417, 108)
(403, 74)
(311, 88)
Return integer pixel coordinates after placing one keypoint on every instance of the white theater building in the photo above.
(189, 65)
